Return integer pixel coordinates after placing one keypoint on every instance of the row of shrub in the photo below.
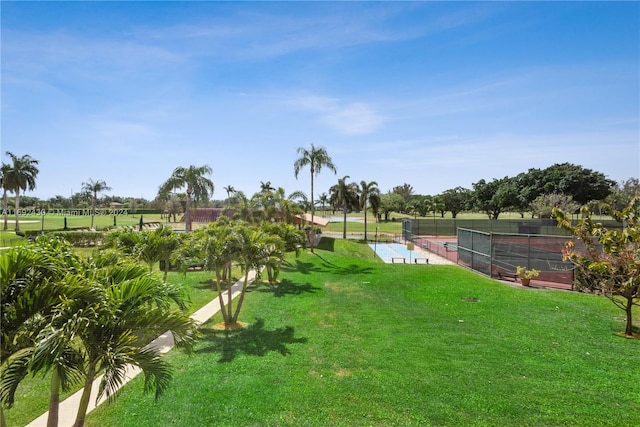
(80, 237)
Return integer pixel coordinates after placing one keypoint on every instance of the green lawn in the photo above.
(345, 340)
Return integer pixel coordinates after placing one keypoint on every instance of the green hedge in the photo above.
(81, 237)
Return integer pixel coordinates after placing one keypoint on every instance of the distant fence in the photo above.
(449, 227)
(495, 254)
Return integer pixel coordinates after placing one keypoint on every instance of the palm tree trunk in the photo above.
(220, 298)
(344, 226)
(313, 209)
(241, 298)
(17, 227)
(3, 420)
(93, 209)
(229, 302)
(365, 220)
(187, 214)
(6, 213)
(54, 399)
(86, 395)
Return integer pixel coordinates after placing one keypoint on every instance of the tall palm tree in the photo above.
(230, 190)
(4, 171)
(345, 196)
(20, 175)
(199, 186)
(369, 192)
(94, 188)
(316, 159)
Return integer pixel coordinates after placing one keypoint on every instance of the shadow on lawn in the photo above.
(253, 340)
(287, 287)
(329, 267)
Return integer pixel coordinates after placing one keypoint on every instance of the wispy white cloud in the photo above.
(345, 117)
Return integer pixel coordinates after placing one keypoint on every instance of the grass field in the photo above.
(345, 340)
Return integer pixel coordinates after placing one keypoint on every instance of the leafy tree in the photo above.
(456, 200)
(172, 207)
(344, 195)
(623, 193)
(543, 205)
(496, 196)
(607, 260)
(580, 183)
(405, 190)
(19, 175)
(94, 188)
(391, 202)
(369, 194)
(316, 159)
(199, 186)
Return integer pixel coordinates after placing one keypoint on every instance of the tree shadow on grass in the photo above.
(253, 340)
(301, 267)
(287, 287)
(329, 267)
(211, 284)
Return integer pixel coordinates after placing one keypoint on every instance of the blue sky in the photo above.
(433, 94)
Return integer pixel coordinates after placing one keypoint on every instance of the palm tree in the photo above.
(4, 171)
(324, 199)
(316, 159)
(198, 186)
(369, 192)
(346, 196)
(35, 281)
(266, 187)
(20, 175)
(136, 307)
(157, 245)
(230, 190)
(304, 200)
(94, 188)
(255, 252)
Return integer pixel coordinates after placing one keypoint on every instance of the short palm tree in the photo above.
(136, 306)
(20, 175)
(36, 280)
(369, 193)
(94, 188)
(157, 245)
(199, 186)
(316, 159)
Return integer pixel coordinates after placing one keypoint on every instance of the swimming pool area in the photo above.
(396, 253)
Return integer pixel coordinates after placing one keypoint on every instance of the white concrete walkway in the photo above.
(69, 407)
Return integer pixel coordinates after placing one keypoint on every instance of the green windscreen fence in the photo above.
(495, 253)
(449, 226)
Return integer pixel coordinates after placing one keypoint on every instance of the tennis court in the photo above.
(396, 253)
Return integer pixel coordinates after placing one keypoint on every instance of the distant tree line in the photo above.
(535, 193)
